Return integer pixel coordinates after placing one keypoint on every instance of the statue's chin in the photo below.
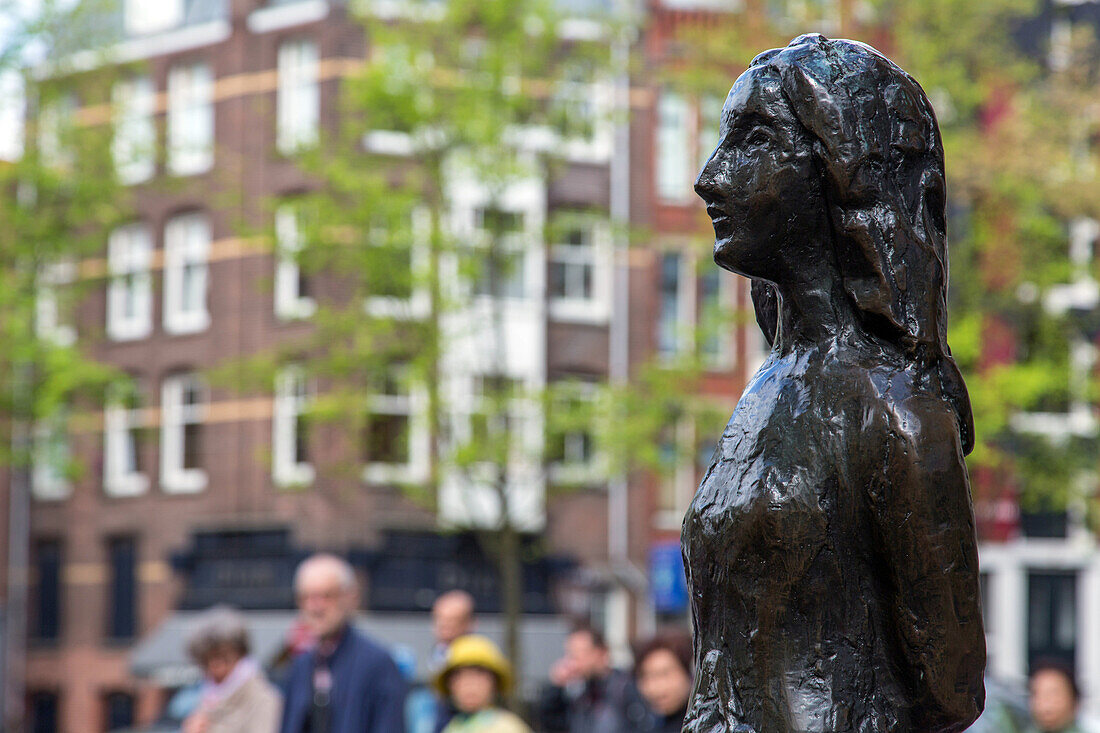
(729, 255)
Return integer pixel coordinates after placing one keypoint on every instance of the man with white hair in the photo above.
(346, 683)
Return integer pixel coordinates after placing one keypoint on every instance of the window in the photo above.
(44, 713)
(677, 453)
(52, 322)
(49, 477)
(674, 163)
(143, 16)
(715, 322)
(710, 117)
(571, 452)
(1052, 616)
(122, 588)
(123, 471)
(580, 269)
(55, 127)
(186, 249)
(13, 96)
(290, 430)
(182, 401)
(134, 144)
(580, 114)
(190, 119)
(394, 437)
(393, 279)
(673, 314)
(119, 710)
(45, 614)
(130, 290)
(501, 270)
(298, 101)
(292, 298)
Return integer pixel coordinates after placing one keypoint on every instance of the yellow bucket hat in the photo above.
(474, 651)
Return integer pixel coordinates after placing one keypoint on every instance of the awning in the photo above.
(162, 655)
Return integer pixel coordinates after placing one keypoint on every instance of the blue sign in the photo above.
(667, 583)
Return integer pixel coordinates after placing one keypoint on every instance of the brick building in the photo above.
(193, 494)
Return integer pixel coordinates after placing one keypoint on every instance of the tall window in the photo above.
(710, 116)
(52, 317)
(134, 144)
(715, 326)
(49, 478)
(130, 291)
(571, 447)
(1052, 616)
(190, 119)
(182, 405)
(45, 617)
(674, 160)
(292, 297)
(290, 430)
(672, 315)
(143, 16)
(298, 101)
(394, 436)
(123, 472)
(502, 274)
(186, 249)
(122, 588)
(55, 125)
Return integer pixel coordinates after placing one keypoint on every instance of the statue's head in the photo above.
(830, 135)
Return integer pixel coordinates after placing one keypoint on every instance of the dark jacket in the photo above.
(368, 692)
(609, 704)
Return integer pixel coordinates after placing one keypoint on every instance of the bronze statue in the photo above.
(830, 549)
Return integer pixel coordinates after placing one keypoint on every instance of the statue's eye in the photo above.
(758, 136)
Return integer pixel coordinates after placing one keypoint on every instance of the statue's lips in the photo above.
(718, 217)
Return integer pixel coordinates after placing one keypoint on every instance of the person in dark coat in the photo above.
(662, 670)
(346, 683)
(588, 695)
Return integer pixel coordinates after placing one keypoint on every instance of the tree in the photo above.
(58, 197)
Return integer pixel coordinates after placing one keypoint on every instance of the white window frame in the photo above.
(51, 452)
(174, 417)
(291, 400)
(186, 256)
(418, 304)
(511, 244)
(190, 119)
(290, 304)
(129, 266)
(55, 124)
(724, 357)
(133, 146)
(674, 161)
(599, 144)
(142, 17)
(570, 471)
(413, 403)
(685, 305)
(598, 257)
(298, 97)
(681, 483)
(51, 323)
(120, 449)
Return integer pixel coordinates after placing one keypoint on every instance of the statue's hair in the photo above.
(877, 143)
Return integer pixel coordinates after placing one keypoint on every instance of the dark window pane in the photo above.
(387, 439)
(43, 711)
(120, 710)
(122, 601)
(557, 279)
(1052, 617)
(192, 445)
(301, 439)
(46, 619)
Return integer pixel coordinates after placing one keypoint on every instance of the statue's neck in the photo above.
(814, 311)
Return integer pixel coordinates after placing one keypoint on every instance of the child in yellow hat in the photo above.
(473, 677)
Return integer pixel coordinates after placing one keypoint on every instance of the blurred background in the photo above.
(424, 284)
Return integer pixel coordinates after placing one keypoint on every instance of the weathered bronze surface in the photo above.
(830, 549)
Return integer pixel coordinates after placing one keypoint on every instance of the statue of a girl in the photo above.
(830, 549)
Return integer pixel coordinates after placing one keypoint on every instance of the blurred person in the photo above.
(662, 670)
(346, 683)
(235, 696)
(1054, 698)
(473, 677)
(586, 694)
(452, 617)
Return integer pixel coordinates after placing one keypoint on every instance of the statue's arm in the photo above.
(925, 527)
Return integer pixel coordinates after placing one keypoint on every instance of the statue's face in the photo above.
(760, 185)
